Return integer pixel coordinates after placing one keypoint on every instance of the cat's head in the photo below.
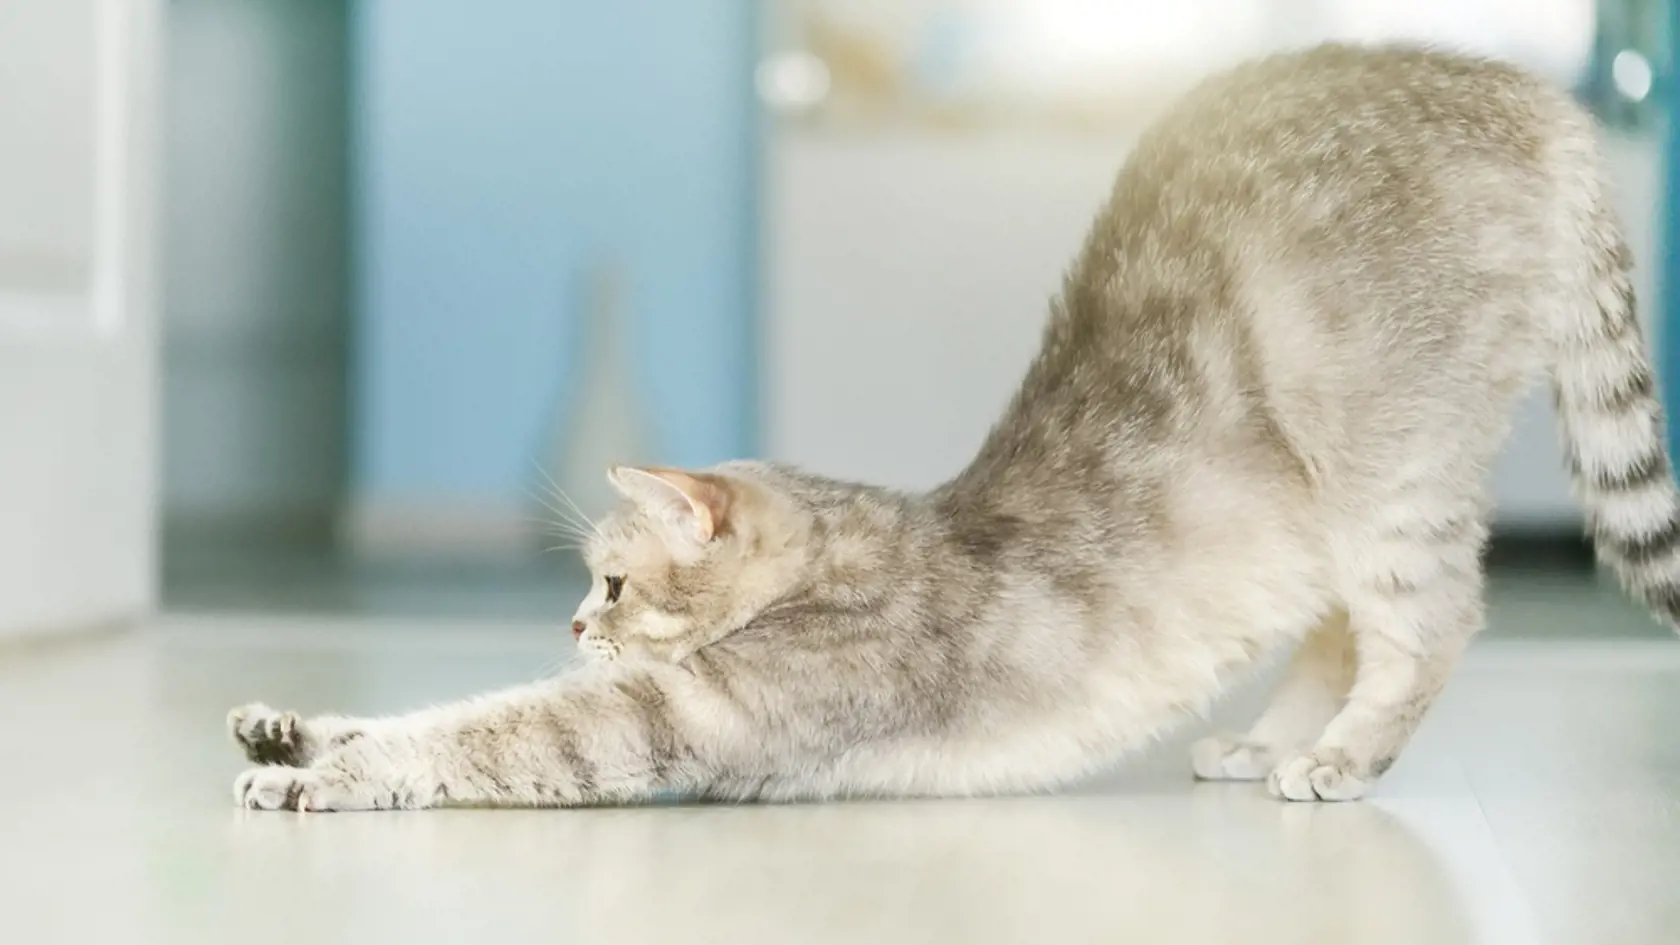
(686, 559)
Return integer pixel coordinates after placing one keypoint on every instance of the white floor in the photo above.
(1541, 802)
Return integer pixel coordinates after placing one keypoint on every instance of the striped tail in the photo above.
(1613, 433)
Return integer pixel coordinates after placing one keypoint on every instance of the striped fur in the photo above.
(1261, 419)
(1614, 435)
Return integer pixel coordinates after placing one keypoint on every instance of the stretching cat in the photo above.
(1263, 413)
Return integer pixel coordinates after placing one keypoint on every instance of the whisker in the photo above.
(576, 535)
(548, 521)
(560, 494)
(576, 508)
(548, 481)
(558, 529)
(565, 529)
(563, 515)
(561, 664)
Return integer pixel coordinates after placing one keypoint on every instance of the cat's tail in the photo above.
(1613, 432)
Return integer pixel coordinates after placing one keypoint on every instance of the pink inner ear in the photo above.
(707, 498)
(701, 496)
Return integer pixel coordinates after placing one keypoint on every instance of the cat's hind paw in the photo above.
(1321, 775)
(1225, 758)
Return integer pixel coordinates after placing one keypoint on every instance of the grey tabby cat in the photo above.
(1262, 417)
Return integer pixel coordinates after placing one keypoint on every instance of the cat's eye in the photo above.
(615, 587)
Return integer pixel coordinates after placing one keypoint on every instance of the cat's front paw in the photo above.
(275, 787)
(268, 737)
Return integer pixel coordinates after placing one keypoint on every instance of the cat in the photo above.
(1267, 398)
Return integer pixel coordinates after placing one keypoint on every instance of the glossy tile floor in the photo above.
(1540, 803)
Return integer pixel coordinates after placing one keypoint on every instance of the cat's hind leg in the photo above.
(1414, 598)
(1313, 688)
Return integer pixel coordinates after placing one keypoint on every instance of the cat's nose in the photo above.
(577, 628)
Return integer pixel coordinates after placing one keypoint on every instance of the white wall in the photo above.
(77, 290)
(257, 250)
(907, 281)
(908, 277)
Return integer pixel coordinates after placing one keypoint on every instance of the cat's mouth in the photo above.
(596, 646)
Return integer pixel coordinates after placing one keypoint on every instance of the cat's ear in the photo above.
(697, 503)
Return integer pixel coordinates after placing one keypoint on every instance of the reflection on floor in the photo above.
(1540, 802)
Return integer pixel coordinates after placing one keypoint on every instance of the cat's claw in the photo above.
(267, 737)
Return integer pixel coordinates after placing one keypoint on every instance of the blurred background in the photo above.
(311, 309)
(329, 298)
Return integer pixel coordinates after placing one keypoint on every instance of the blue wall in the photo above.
(502, 149)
